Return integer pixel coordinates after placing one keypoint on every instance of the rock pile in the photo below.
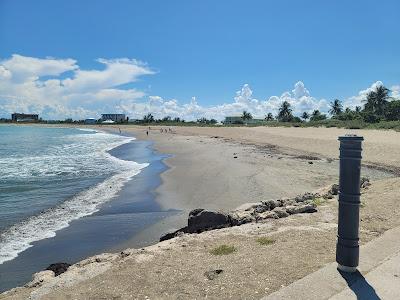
(202, 220)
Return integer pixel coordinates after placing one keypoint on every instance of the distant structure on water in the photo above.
(19, 117)
(117, 118)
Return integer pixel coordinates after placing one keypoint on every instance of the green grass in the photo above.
(318, 201)
(223, 250)
(265, 241)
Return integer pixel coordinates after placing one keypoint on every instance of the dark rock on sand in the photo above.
(301, 209)
(211, 275)
(280, 212)
(58, 268)
(201, 220)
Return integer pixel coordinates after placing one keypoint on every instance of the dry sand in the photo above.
(269, 163)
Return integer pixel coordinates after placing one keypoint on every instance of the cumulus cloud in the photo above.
(59, 88)
(243, 99)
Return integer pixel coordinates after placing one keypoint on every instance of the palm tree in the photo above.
(317, 116)
(305, 115)
(377, 100)
(149, 118)
(358, 109)
(336, 107)
(269, 117)
(246, 116)
(285, 112)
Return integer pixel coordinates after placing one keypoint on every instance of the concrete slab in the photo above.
(381, 283)
(328, 281)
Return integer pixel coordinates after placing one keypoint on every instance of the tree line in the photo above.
(378, 106)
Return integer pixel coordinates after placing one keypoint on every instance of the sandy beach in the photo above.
(220, 169)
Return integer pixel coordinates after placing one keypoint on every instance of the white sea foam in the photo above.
(20, 236)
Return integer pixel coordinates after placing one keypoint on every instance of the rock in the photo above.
(171, 235)
(211, 275)
(238, 218)
(271, 204)
(280, 212)
(39, 278)
(267, 215)
(334, 189)
(58, 268)
(287, 201)
(195, 211)
(300, 209)
(261, 208)
(202, 220)
(306, 197)
(364, 182)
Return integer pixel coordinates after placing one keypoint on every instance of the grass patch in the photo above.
(223, 250)
(265, 241)
(318, 201)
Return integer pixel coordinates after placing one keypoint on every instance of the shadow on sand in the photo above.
(359, 285)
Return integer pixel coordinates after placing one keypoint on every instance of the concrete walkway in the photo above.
(378, 276)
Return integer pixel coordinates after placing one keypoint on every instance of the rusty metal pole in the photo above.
(347, 247)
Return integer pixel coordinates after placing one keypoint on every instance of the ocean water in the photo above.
(50, 177)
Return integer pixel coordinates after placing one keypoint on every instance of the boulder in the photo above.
(271, 204)
(238, 218)
(58, 268)
(280, 212)
(300, 209)
(202, 220)
(39, 278)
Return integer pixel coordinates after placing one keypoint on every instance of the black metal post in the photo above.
(347, 247)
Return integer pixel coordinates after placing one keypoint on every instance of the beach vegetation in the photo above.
(223, 250)
(336, 107)
(246, 116)
(305, 116)
(317, 116)
(265, 241)
(285, 112)
(318, 201)
(269, 117)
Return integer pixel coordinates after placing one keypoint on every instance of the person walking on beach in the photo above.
(147, 132)
(119, 130)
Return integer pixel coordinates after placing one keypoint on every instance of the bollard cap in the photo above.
(351, 137)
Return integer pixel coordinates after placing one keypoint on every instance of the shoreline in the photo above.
(124, 204)
(308, 239)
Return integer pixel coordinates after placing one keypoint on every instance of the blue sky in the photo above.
(229, 55)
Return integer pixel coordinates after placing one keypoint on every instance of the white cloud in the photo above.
(25, 68)
(357, 100)
(59, 88)
(29, 84)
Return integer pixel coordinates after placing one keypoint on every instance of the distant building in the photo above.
(17, 117)
(90, 121)
(118, 118)
(233, 120)
(239, 120)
